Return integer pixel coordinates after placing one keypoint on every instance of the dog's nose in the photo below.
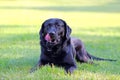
(52, 33)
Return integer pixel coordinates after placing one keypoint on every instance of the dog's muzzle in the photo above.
(51, 38)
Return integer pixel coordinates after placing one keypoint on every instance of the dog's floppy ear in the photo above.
(67, 30)
(41, 31)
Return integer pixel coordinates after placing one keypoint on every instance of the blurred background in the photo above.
(82, 12)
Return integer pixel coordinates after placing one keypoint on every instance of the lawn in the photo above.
(96, 23)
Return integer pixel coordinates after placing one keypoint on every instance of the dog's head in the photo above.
(54, 31)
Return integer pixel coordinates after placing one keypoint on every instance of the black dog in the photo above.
(58, 48)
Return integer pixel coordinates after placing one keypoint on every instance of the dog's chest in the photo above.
(55, 57)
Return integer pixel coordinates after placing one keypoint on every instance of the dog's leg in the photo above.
(70, 69)
(81, 53)
(82, 56)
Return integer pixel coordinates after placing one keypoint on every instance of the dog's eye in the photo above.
(49, 24)
(58, 25)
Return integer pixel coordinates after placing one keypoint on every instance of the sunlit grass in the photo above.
(36, 17)
(35, 12)
(99, 29)
(18, 29)
(54, 2)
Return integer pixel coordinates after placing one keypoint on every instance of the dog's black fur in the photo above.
(58, 48)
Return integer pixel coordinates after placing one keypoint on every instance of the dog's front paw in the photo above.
(70, 70)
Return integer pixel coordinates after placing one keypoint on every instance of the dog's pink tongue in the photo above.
(48, 38)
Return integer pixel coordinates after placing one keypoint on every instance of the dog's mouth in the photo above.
(50, 39)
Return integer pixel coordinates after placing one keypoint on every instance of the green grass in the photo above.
(97, 23)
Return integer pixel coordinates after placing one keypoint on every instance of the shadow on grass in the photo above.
(110, 8)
